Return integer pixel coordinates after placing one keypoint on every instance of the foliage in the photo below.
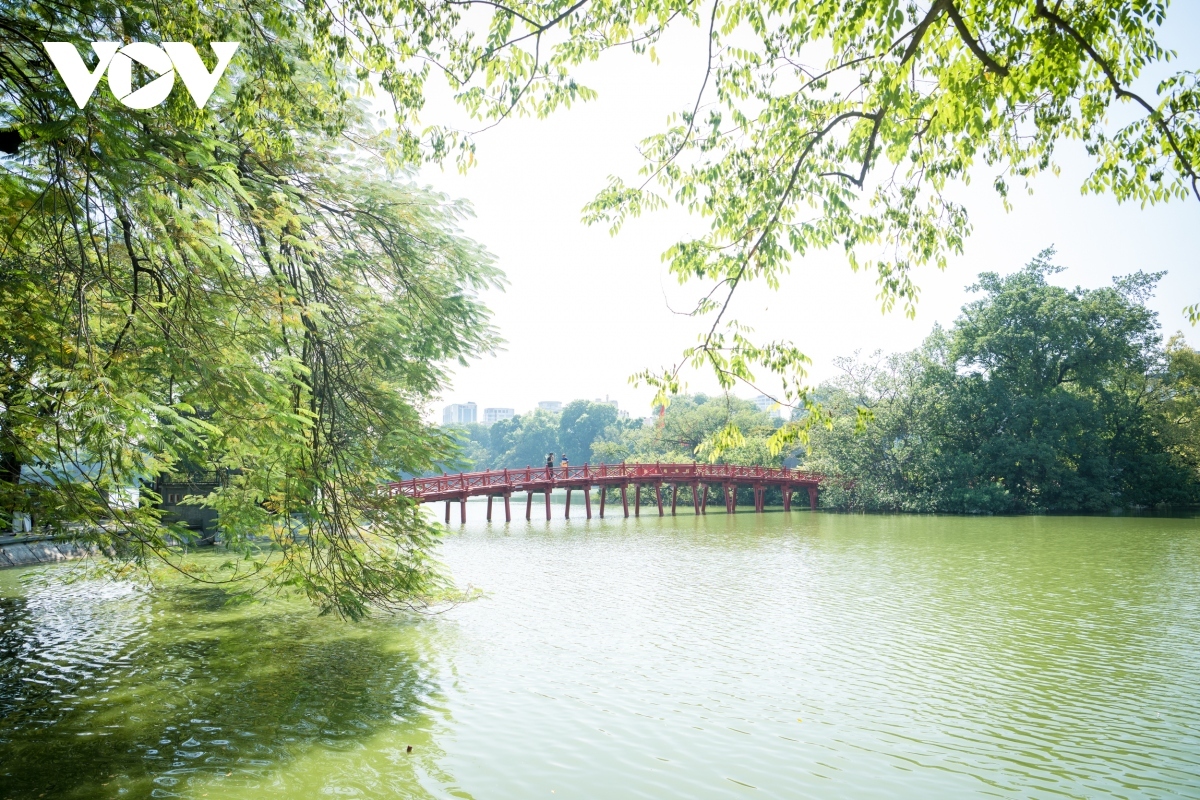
(243, 291)
(591, 433)
(1039, 398)
(579, 424)
(239, 289)
(683, 427)
(843, 125)
(526, 439)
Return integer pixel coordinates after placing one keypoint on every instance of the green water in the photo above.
(791, 656)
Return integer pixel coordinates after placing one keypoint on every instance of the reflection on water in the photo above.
(796, 655)
(105, 691)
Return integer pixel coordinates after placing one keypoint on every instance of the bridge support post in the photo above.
(787, 497)
(507, 507)
(462, 509)
(528, 505)
(489, 516)
(624, 501)
(548, 504)
(704, 501)
(658, 496)
(812, 497)
(603, 492)
(674, 494)
(587, 501)
(567, 515)
(696, 498)
(447, 512)
(731, 498)
(637, 500)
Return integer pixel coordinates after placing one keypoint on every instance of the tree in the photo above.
(244, 289)
(685, 426)
(580, 423)
(819, 125)
(1039, 398)
(525, 440)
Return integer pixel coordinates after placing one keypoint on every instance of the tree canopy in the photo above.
(590, 432)
(244, 292)
(828, 125)
(1038, 398)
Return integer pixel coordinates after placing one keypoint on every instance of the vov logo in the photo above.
(165, 61)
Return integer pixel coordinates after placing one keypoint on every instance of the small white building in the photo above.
(494, 415)
(459, 413)
(553, 406)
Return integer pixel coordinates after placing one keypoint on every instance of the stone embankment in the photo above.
(22, 552)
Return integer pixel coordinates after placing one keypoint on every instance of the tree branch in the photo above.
(1120, 91)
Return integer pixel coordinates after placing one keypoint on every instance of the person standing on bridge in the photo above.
(564, 464)
(550, 465)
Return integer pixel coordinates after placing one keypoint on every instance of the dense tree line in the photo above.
(592, 433)
(1037, 399)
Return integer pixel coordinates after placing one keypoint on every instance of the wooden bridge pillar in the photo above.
(587, 501)
(548, 490)
(603, 492)
(568, 511)
(674, 494)
(462, 508)
(658, 496)
(507, 507)
(812, 497)
(704, 501)
(624, 501)
(696, 498)
(787, 497)
(528, 505)
(637, 500)
(489, 514)
(447, 512)
(731, 498)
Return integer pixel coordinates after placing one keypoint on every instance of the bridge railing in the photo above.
(528, 477)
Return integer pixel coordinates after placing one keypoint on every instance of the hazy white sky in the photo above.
(584, 310)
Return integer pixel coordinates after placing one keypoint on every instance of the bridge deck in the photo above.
(502, 483)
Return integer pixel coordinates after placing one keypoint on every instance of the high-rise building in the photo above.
(553, 406)
(459, 413)
(764, 403)
(494, 415)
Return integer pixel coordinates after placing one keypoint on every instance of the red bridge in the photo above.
(698, 477)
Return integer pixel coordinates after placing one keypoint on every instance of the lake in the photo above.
(759, 655)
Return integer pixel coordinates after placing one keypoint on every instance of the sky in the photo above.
(584, 310)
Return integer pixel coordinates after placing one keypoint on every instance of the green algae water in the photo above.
(776, 655)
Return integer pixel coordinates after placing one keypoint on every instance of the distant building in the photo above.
(607, 402)
(769, 406)
(553, 406)
(494, 415)
(459, 413)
